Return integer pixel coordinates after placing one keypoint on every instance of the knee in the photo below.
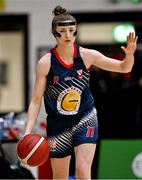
(83, 170)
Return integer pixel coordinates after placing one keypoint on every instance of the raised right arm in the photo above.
(42, 71)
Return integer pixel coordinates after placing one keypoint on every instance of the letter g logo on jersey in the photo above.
(69, 101)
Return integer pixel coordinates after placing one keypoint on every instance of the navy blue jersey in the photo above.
(67, 91)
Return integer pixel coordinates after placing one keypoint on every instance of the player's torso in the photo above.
(67, 91)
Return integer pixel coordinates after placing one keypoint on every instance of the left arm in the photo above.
(92, 57)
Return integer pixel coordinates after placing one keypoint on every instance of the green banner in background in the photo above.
(120, 159)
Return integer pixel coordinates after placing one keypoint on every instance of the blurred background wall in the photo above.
(40, 16)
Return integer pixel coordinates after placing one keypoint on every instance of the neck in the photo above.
(66, 53)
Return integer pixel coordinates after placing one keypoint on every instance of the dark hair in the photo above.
(60, 14)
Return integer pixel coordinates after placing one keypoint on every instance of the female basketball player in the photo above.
(62, 77)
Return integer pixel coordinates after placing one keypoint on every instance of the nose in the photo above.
(68, 34)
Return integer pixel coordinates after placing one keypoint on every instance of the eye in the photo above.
(62, 31)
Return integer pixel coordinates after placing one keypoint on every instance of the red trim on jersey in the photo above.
(62, 61)
(75, 51)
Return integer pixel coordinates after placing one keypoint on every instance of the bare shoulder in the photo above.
(85, 52)
(45, 60)
(43, 65)
(88, 56)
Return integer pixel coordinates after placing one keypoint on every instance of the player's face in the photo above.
(67, 34)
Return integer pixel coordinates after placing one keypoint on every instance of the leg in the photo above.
(84, 155)
(60, 167)
(85, 139)
(60, 145)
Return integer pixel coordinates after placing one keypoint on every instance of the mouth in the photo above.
(67, 41)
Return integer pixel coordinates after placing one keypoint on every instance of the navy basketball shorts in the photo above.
(68, 132)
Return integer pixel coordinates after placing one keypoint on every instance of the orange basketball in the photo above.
(33, 149)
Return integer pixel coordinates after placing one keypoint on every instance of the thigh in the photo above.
(60, 167)
(59, 138)
(86, 131)
(60, 145)
(84, 153)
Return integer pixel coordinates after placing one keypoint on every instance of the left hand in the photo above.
(131, 44)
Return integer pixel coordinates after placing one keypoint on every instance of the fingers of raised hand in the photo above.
(132, 38)
(136, 38)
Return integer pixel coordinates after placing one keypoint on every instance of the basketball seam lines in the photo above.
(33, 150)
